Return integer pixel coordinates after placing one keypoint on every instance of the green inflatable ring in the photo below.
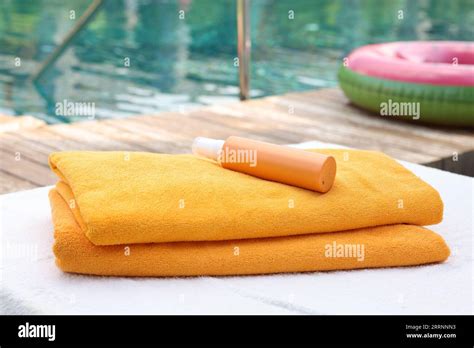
(441, 105)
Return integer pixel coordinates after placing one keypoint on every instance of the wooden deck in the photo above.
(323, 115)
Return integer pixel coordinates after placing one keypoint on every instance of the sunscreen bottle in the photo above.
(291, 166)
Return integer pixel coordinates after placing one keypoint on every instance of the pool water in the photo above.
(143, 56)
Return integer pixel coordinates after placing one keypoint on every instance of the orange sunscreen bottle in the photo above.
(309, 170)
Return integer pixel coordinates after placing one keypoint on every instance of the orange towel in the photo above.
(384, 246)
(138, 214)
(137, 197)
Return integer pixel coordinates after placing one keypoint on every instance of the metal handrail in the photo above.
(243, 43)
(243, 47)
(81, 23)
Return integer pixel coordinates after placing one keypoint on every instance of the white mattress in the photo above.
(31, 283)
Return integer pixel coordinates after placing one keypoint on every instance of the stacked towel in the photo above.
(142, 214)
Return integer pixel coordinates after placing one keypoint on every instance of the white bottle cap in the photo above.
(207, 147)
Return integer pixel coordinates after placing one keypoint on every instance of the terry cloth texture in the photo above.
(141, 214)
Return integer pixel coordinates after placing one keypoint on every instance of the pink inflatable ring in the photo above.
(431, 81)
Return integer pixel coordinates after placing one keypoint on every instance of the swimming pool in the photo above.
(142, 56)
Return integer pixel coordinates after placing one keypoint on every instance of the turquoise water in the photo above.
(180, 63)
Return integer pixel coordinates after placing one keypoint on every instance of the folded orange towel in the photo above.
(120, 198)
(139, 214)
(384, 246)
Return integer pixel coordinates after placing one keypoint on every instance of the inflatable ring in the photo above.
(431, 82)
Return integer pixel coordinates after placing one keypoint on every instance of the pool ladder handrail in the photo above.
(81, 23)
(243, 43)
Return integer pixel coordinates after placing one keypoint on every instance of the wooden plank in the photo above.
(86, 139)
(10, 183)
(15, 123)
(378, 125)
(334, 99)
(125, 139)
(397, 134)
(14, 146)
(162, 142)
(323, 128)
(26, 169)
